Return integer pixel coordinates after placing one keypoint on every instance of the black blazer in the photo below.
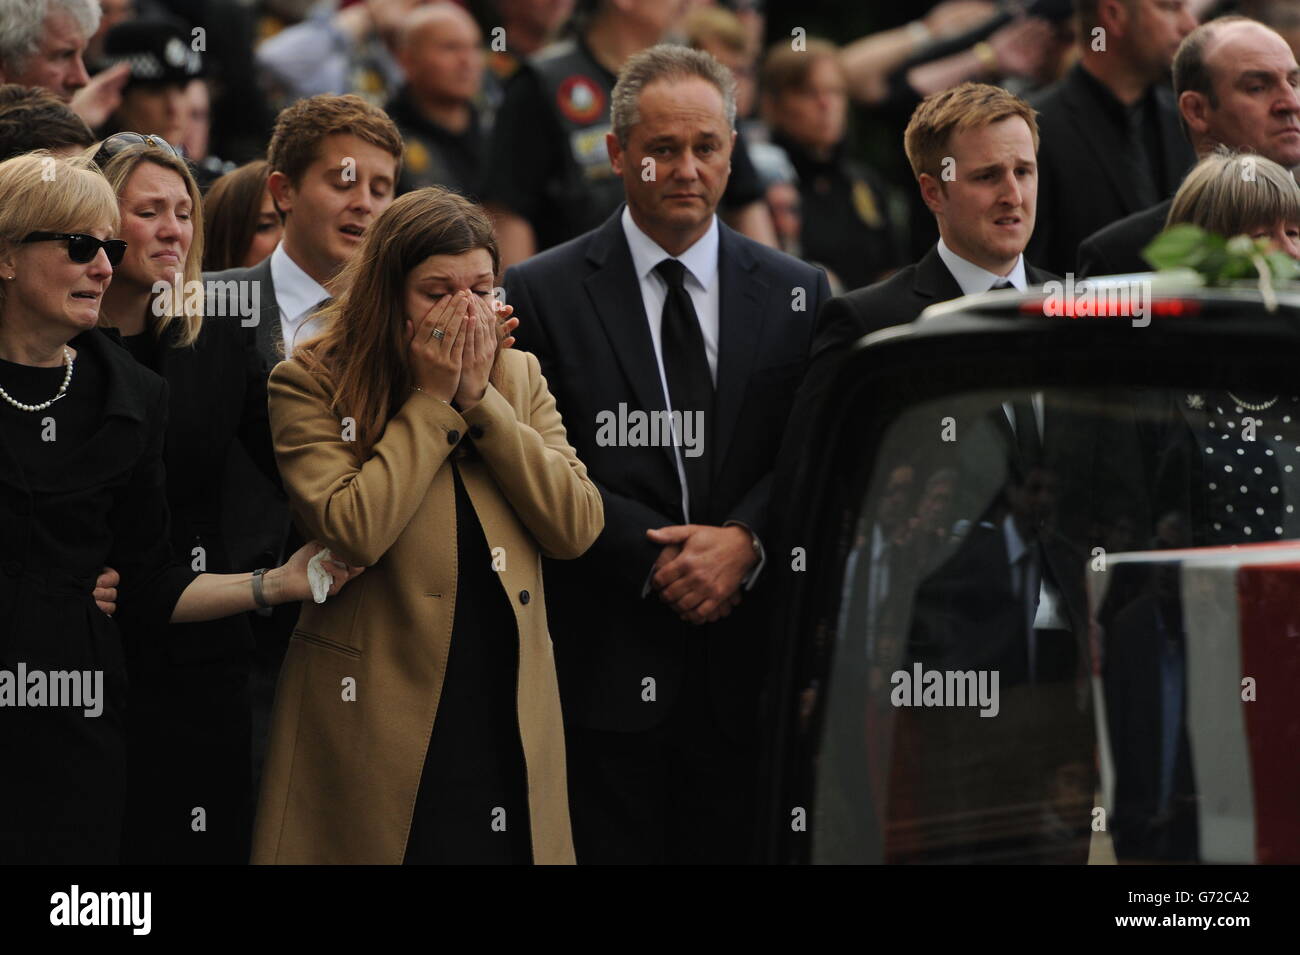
(580, 312)
(105, 506)
(217, 403)
(1117, 249)
(255, 512)
(897, 300)
(1082, 182)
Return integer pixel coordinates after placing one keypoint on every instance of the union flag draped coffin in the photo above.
(1198, 713)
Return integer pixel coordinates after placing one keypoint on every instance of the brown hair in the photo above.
(786, 69)
(232, 209)
(968, 106)
(118, 172)
(1232, 194)
(301, 128)
(363, 349)
(37, 119)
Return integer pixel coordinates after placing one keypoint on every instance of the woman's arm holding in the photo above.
(536, 468)
(357, 510)
(212, 596)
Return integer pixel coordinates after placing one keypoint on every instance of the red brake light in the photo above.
(1102, 308)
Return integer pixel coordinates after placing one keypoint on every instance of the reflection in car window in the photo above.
(1026, 665)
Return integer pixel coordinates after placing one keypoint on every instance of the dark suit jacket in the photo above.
(897, 300)
(581, 313)
(217, 403)
(190, 681)
(256, 512)
(1117, 249)
(1082, 182)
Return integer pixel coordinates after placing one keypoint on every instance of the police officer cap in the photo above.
(158, 50)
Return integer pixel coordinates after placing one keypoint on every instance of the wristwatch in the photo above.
(258, 597)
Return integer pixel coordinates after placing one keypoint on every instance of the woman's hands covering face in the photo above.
(437, 346)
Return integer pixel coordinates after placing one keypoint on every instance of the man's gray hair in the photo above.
(666, 61)
(22, 26)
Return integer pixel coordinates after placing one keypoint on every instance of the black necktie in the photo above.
(690, 384)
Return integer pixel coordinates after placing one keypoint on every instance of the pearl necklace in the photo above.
(63, 388)
(1261, 406)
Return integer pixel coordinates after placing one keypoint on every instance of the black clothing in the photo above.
(690, 736)
(897, 300)
(434, 155)
(1087, 177)
(846, 224)
(474, 768)
(1117, 249)
(104, 505)
(1204, 461)
(188, 731)
(549, 163)
(255, 516)
(686, 368)
(1145, 658)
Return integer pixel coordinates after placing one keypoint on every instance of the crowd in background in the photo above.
(820, 113)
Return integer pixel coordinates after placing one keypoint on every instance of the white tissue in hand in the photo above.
(319, 577)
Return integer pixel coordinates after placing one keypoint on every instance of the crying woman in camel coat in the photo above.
(417, 719)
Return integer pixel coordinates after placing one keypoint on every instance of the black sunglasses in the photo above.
(120, 141)
(83, 248)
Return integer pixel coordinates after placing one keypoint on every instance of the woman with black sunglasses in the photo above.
(82, 428)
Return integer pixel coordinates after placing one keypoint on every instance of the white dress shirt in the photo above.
(297, 293)
(973, 280)
(703, 286)
(701, 280)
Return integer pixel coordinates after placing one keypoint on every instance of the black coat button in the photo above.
(453, 436)
(12, 568)
(524, 597)
(475, 431)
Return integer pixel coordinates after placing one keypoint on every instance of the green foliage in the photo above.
(1219, 260)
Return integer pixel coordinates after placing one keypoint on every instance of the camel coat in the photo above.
(359, 688)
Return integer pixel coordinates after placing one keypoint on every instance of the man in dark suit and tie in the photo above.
(972, 149)
(1235, 80)
(1111, 139)
(664, 315)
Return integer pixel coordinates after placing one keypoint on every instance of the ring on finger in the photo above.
(439, 334)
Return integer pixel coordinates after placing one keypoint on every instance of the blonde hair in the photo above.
(968, 106)
(41, 192)
(1231, 194)
(118, 172)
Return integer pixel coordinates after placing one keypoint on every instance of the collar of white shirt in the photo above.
(296, 292)
(973, 279)
(700, 260)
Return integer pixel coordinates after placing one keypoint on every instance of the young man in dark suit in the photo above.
(972, 149)
(334, 167)
(664, 308)
(1236, 81)
(1111, 140)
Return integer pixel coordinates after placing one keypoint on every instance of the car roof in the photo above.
(1180, 292)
